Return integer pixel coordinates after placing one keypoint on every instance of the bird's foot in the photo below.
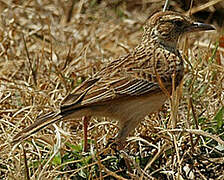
(115, 144)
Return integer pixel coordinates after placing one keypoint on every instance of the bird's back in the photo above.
(134, 74)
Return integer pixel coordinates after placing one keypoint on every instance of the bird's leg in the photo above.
(117, 143)
(125, 128)
(85, 132)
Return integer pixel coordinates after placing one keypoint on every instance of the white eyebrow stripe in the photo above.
(173, 17)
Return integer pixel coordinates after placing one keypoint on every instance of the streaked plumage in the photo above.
(128, 88)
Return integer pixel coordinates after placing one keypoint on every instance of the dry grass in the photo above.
(47, 49)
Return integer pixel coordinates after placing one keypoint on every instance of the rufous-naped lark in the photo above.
(130, 87)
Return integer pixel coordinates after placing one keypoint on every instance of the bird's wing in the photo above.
(77, 94)
(121, 78)
(103, 91)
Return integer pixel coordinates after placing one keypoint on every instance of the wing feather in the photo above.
(123, 88)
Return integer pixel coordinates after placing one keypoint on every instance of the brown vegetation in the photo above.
(47, 48)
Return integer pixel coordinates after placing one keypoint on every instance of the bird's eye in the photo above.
(179, 23)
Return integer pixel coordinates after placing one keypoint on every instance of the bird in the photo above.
(132, 86)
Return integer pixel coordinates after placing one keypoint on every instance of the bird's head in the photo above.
(166, 27)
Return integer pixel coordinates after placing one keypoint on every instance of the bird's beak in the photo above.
(196, 26)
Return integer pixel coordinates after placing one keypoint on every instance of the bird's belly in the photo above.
(131, 108)
(139, 107)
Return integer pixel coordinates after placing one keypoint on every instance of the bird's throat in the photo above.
(168, 45)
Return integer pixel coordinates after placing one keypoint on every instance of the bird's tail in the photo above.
(40, 123)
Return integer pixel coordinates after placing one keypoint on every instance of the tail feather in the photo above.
(40, 123)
